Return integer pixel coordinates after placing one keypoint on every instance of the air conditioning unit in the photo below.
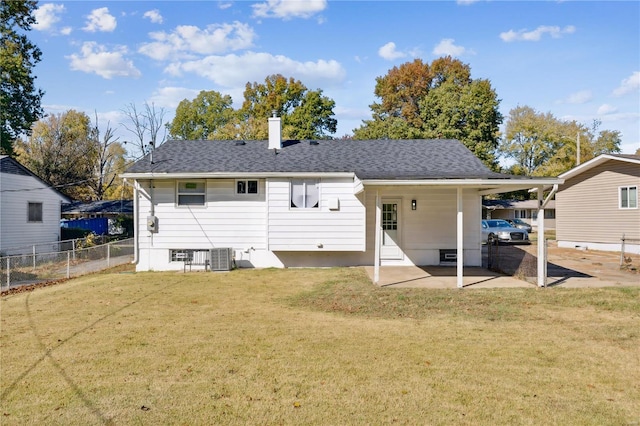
(221, 259)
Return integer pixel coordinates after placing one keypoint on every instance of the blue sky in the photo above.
(576, 60)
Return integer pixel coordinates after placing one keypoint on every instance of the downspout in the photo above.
(135, 220)
(542, 253)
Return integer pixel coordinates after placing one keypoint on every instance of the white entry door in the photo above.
(391, 230)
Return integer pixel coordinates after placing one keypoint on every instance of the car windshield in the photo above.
(519, 221)
(498, 223)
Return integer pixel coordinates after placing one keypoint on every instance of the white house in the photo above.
(29, 209)
(314, 203)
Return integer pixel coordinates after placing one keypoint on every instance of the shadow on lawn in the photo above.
(517, 262)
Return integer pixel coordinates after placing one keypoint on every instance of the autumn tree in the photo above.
(60, 151)
(437, 100)
(305, 114)
(204, 117)
(542, 145)
(19, 99)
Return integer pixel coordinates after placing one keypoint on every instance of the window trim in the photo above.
(246, 182)
(305, 181)
(41, 212)
(203, 193)
(627, 188)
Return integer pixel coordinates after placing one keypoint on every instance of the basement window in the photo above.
(305, 194)
(246, 186)
(191, 193)
(628, 197)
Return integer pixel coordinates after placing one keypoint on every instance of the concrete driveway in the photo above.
(516, 266)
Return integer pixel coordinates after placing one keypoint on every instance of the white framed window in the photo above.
(628, 196)
(34, 212)
(191, 193)
(246, 186)
(305, 194)
(520, 214)
(550, 214)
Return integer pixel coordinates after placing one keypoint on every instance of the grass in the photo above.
(315, 346)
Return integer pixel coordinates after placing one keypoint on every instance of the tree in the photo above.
(543, 145)
(305, 114)
(145, 125)
(108, 162)
(60, 150)
(19, 99)
(202, 118)
(437, 100)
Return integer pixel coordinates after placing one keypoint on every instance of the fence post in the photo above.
(108, 255)
(8, 272)
(34, 257)
(622, 252)
(68, 265)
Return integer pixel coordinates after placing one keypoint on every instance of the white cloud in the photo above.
(100, 20)
(446, 47)
(234, 71)
(466, 2)
(66, 30)
(605, 109)
(628, 85)
(170, 97)
(389, 52)
(47, 15)
(154, 16)
(536, 35)
(188, 39)
(224, 6)
(287, 9)
(580, 97)
(95, 58)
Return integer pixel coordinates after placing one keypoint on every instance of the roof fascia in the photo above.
(239, 175)
(602, 158)
(490, 186)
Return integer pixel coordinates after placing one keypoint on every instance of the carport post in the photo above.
(542, 255)
(376, 251)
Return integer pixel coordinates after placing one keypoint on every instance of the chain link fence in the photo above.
(36, 268)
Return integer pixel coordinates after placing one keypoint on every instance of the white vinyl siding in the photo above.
(316, 229)
(15, 228)
(229, 219)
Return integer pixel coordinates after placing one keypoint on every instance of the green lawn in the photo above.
(315, 346)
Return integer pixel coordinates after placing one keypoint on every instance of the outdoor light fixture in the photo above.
(414, 204)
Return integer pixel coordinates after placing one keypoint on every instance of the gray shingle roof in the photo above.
(370, 159)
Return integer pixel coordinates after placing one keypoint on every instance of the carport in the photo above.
(483, 187)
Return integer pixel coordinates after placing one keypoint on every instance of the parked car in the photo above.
(519, 223)
(496, 231)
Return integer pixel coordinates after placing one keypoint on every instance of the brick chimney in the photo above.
(275, 132)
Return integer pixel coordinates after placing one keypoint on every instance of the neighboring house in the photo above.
(110, 209)
(100, 217)
(598, 203)
(29, 209)
(314, 203)
(527, 210)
